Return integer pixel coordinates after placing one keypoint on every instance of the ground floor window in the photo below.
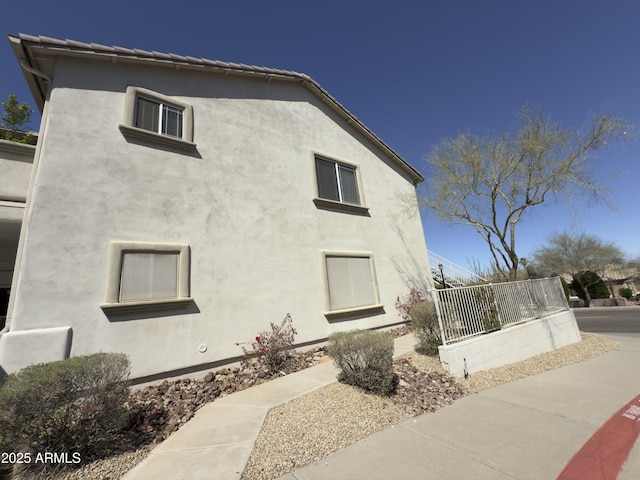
(149, 275)
(145, 272)
(350, 281)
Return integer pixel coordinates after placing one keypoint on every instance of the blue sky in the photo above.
(414, 72)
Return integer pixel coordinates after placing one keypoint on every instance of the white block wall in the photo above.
(511, 345)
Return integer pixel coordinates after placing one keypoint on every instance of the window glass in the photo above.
(171, 121)
(348, 184)
(147, 114)
(350, 283)
(327, 182)
(147, 276)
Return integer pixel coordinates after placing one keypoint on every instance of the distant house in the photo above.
(623, 278)
(174, 206)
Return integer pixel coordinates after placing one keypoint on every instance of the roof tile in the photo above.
(53, 41)
(124, 50)
(142, 53)
(160, 55)
(74, 43)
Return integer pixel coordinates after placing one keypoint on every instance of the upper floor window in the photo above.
(337, 181)
(338, 187)
(157, 119)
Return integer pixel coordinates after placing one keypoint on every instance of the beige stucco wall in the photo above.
(243, 202)
(16, 161)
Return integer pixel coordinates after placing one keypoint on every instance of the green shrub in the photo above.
(365, 358)
(625, 293)
(595, 286)
(423, 317)
(487, 309)
(73, 406)
(426, 328)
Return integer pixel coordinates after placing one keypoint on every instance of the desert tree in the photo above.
(574, 255)
(490, 182)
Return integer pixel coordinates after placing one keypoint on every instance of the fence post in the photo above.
(436, 300)
(562, 297)
(536, 287)
(495, 304)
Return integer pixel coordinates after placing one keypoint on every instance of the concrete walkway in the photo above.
(528, 429)
(217, 442)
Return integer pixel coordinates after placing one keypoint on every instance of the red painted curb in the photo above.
(602, 457)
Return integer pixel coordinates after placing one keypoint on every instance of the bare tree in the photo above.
(490, 182)
(575, 254)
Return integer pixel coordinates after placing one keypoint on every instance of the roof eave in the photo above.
(35, 83)
(23, 45)
(351, 119)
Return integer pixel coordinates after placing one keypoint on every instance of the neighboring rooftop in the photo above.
(18, 136)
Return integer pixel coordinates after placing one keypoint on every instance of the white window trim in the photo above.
(329, 313)
(325, 203)
(129, 130)
(114, 268)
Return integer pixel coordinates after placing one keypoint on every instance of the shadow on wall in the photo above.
(189, 307)
(413, 273)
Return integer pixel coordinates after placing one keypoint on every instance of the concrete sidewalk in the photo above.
(528, 429)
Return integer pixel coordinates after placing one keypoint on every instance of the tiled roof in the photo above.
(308, 82)
(171, 57)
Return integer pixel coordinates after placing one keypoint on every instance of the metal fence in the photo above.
(466, 312)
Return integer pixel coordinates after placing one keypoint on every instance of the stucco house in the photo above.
(175, 206)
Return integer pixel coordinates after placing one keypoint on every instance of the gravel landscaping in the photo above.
(310, 427)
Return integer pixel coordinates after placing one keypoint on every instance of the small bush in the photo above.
(272, 348)
(485, 305)
(405, 304)
(74, 406)
(625, 293)
(365, 358)
(424, 319)
(422, 315)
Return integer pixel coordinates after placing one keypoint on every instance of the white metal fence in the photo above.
(445, 272)
(466, 312)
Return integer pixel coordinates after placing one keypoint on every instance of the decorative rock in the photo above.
(158, 410)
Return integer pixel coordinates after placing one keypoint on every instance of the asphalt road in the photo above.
(609, 319)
